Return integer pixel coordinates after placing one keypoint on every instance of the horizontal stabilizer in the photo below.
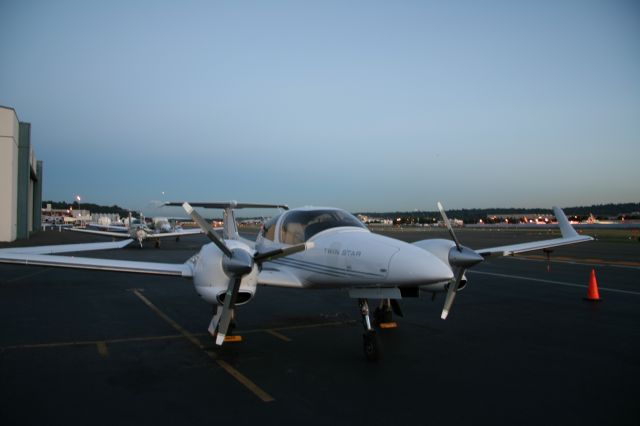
(229, 204)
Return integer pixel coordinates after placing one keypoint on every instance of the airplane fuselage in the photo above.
(341, 253)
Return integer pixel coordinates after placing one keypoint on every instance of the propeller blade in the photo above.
(448, 225)
(451, 294)
(227, 309)
(461, 258)
(281, 252)
(207, 229)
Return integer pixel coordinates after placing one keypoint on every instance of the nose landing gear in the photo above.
(371, 345)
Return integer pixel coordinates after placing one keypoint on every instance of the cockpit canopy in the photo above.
(300, 225)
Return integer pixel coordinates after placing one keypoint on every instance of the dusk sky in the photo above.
(369, 106)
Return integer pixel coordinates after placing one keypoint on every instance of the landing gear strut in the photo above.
(370, 339)
(383, 313)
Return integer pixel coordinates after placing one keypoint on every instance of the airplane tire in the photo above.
(371, 346)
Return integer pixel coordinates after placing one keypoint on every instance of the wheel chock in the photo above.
(388, 325)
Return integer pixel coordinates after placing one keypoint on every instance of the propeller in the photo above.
(461, 258)
(236, 264)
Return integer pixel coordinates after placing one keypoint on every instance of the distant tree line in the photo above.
(599, 211)
(93, 208)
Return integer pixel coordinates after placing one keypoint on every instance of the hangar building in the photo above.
(20, 179)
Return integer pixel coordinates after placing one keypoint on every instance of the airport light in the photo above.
(78, 199)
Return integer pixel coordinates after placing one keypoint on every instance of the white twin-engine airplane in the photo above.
(309, 248)
(141, 232)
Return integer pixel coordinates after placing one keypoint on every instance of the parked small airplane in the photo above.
(139, 231)
(307, 248)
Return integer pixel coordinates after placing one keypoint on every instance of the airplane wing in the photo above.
(176, 269)
(272, 276)
(175, 234)
(115, 228)
(96, 232)
(65, 248)
(38, 256)
(569, 236)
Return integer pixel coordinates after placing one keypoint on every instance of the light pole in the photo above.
(78, 199)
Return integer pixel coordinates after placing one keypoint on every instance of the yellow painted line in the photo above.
(145, 338)
(102, 349)
(52, 345)
(278, 335)
(171, 322)
(241, 378)
(92, 342)
(302, 326)
(265, 397)
(167, 336)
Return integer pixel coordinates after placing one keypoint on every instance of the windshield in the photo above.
(269, 228)
(299, 226)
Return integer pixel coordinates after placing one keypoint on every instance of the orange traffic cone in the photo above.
(592, 291)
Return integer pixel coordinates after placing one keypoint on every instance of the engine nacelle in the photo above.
(210, 280)
(440, 248)
(443, 286)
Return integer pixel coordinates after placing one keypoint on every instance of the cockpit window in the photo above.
(269, 228)
(299, 226)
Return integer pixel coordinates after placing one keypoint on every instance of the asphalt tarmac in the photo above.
(520, 346)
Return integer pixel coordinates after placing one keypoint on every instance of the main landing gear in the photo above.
(371, 345)
(383, 315)
(383, 318)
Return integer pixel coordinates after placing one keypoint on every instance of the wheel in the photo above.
(371, 346)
